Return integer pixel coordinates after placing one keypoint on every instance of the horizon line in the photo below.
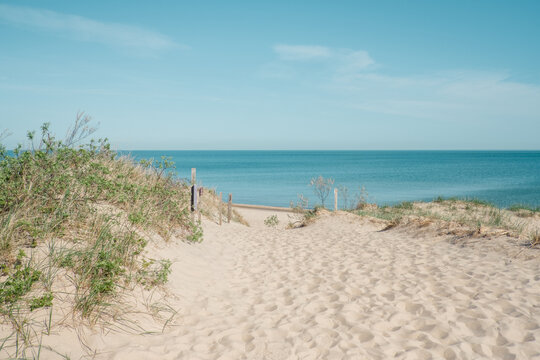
(327, 149)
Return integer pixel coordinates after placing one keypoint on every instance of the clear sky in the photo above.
(276, 74)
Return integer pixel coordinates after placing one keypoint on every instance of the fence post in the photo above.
(220, 206)
(335, 199)
(194, 201)
(193, 176)
(229, 209)
(194, 197)
(200, 190)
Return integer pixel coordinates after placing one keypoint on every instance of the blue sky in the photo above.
(276, 75)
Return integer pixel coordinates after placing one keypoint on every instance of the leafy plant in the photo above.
(42, 301)
(196, 233)
(19, 282)
(271, 221)
(154, 273)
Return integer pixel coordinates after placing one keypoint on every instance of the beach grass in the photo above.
(474, 214)
(84, 211)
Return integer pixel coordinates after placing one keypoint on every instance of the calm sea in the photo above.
(277, 177)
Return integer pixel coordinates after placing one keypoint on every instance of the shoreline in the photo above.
(262, 207)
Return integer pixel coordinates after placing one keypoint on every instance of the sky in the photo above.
(239, 75)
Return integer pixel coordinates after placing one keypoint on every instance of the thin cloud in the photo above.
(457, 96)
(302, 52)
(345, 62)
(84, 29)
(353, 61)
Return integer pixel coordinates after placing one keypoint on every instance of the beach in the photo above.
(269, 180)
(341, 287)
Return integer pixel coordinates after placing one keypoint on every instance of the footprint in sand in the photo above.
(413, 308)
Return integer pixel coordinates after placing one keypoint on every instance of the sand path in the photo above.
(336, 289)
(340, 289)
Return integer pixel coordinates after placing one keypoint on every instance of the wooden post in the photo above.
(335, 199)
(194, 197)
(229, 209)
(220, 206)
(199, 202)
(194, 201)
(193, 176)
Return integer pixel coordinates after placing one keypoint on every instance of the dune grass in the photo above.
(98, 206)
(472, 213)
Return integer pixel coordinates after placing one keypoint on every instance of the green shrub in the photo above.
(154, 273)
(271, 221)
(196, 233)
(20, 282)
(42, 301)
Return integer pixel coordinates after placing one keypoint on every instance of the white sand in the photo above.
(337, 289)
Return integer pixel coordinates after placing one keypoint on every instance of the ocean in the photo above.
(276, 178)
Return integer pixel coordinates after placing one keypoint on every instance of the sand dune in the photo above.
(336, 289)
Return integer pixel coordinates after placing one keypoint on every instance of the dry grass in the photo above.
(535, 239)
(211, 206)
(474, 217)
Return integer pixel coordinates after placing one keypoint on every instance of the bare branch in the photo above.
(4, 134)
(80, 130)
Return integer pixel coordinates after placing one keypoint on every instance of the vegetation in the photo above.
(271, 221)
(535, 238)
(473, 214)
(352, 201)
(89, 210)
(301, 215)
(321, 187)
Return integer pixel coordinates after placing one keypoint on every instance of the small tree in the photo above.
(321, 187)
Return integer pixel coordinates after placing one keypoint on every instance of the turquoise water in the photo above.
(277, 177)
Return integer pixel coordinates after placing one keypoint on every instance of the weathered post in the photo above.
(193, 176)
(194, 201)
(229, 209)
(335, 199)
(199, 202)
(194, 197)
(220, 206)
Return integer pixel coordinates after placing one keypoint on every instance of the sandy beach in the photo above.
(308, 180)
(339, 288)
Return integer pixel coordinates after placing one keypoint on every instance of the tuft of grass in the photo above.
(405, 205)
(480, 202)
(392, 223)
